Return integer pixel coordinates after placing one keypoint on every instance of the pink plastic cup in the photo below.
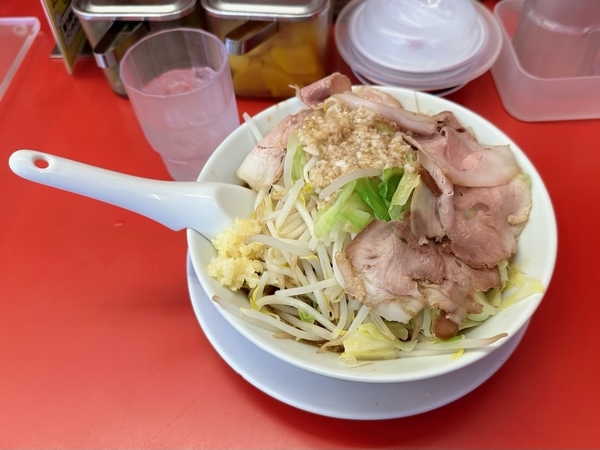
(180, 87)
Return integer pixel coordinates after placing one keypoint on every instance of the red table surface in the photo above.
(100, 347)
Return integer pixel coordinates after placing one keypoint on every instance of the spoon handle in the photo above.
(205, 207)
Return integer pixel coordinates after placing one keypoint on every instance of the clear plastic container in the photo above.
(16, 36)
(555, 38)
(417, 50)
(417, 36)
(531, 98)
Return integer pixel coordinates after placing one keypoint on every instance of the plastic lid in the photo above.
(475, 60)
(416, 35)
(16, 36)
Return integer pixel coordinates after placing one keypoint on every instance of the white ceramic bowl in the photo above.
(536, 256)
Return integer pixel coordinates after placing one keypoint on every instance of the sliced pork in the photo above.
(315, 93)
(479, 225)
(263, 166)
(447, 118)
(442, 189)
(382, 266)
(425, 222)
(476, 195)
(419, 124)
(464, 160)
(388, 270)
(487, 222)
(455, 296)
(377, 96)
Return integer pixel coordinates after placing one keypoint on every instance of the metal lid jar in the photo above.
(111, 27)
(272, 45)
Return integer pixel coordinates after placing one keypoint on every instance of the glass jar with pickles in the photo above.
(273, 45)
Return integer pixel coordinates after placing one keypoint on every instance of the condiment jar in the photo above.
(272, 45)
(111, 27)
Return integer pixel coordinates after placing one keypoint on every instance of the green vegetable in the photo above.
(368, 190)
(390, 179)
(299, 156)
(400, 200)
(390, 198)
(361, 200)
(368, 342)
(519, 286)
(355, 214)
(306, 317)
(398, 329)
(327, 218)
(384, 128)
(298, 163)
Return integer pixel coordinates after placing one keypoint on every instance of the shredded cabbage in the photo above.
(360, 200)
(368, 343)
(400, 200)
(327, 218)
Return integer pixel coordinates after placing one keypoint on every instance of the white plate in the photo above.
(536, 255)
(330, 397)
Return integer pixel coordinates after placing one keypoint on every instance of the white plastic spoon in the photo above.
(205, 207)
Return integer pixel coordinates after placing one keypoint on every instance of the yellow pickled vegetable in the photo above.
(238, 63)
(278, 82)
(250, 81)
(294, 57)
(298, 60)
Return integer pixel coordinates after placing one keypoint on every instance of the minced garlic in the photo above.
(345, 140)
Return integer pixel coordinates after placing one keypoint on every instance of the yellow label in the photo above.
(67, 29)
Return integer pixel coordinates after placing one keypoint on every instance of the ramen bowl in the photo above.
(536, 256)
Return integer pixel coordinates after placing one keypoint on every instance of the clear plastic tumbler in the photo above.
(180, 87)
(558, 38)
